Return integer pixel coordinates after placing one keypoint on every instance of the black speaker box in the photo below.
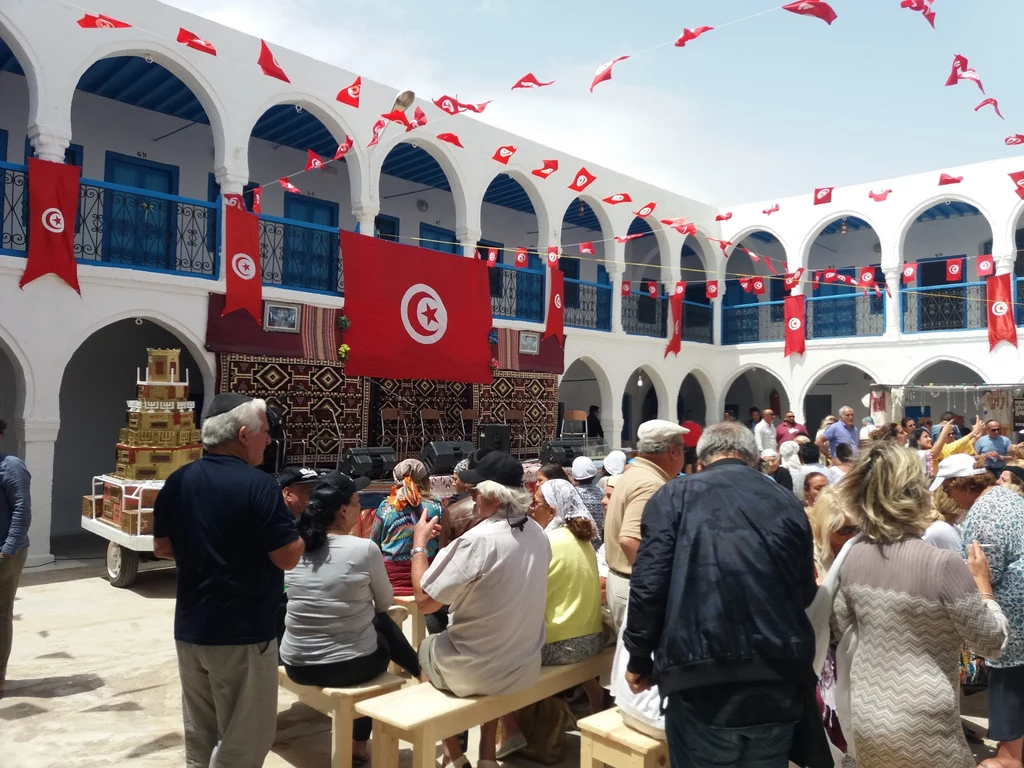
(440, 457)
(561, 452)
(374, 463)
(495, 436)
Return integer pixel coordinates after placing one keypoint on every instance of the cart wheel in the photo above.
(122, 565)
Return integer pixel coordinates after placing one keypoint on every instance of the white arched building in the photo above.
(161, 131)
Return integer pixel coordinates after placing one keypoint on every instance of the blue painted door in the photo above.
(310, 254)
(139, 229)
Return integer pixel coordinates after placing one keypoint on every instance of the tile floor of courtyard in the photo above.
(93, 681)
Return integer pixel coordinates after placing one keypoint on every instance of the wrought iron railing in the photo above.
(13, 218)
(940, 308)
(296, 254)
(837, 317)
(588, 305)
(750, 323)
(517, 294)
(645, 316)
(698, 323)
(128, 227)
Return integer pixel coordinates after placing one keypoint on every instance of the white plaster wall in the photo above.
(8, 405)
(578, 388)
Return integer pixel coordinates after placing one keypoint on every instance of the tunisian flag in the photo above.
(795, 334)
(675, 301)
(556, 307)
(415, 313)
(53, 206)
(242, 263)
(1000, 311)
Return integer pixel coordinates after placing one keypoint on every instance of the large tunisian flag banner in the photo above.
(556, 307)
(242, 262)
(1001, 325)
(675, 301)
(795, 332)
(415, 314)
(53, 206)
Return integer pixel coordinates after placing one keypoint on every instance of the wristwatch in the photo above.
(418, 550)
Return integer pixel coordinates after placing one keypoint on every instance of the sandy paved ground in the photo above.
(93, 682)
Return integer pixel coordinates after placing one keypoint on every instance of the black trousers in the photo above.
(391, 646)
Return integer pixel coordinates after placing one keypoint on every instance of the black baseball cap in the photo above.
(297, 476)
(342, 482)
(225, 402)
(497, 466)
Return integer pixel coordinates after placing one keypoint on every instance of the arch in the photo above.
(604, 247)
(652, 381)
(195, 345)
(179, 66)
(850, 396)
(637, 225)
(442, 155)
(599, 211)
(687, 272)
(815, 231)
(24, 376)
(908, 221)
(356, 158)
(16, 393)
(738, 239)
(703, 382)
(785, 401)
(30, 64)
(582, 396)
(920, 369)
(1013, 226)
(540, 210)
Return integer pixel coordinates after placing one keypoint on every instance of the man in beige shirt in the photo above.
(660, 457)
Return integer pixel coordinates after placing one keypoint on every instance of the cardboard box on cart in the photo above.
(140, 463)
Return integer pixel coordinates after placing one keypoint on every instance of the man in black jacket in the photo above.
(717, 600)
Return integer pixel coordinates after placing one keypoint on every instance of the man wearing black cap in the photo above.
(494, 577)
(227, 526)
(296, 483)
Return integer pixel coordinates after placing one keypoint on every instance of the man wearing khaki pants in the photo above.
(15, 516)
(660, 458)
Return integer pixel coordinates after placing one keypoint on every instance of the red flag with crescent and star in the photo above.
(242, 263)
(794, 316)
(269, 64)
(556, 308)
(434, 309)
(52, 207)
(675, 301)
(1001, 327)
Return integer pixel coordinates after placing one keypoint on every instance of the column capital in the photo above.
(232, 180)
(38, 430)
(365, 211)
(49, 141)
(468, 235)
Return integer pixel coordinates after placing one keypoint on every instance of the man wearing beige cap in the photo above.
(660, 457)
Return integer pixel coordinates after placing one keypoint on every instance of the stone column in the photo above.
(468, 238)
(40, 435)
(49, 142)
(615, 274)
(893, 313)
(365, 215)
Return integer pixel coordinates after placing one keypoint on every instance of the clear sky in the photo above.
(768, 107)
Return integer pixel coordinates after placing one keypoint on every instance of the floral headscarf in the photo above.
(406, 492)
(566, 502)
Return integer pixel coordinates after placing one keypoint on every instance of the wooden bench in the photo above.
(419, 622)
(423, 715)
(339, 704)
(606, 740)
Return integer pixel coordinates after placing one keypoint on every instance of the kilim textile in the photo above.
(324, 413)
(319, 334)
(409, 397)
(535, 394)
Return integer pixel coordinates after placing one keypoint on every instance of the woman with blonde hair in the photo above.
(396, 517)
(903, 694)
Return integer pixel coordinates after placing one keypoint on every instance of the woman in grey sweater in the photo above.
(913, 607)
(337, 633)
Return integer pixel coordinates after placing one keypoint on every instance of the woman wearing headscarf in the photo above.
(337, 633)
(789, 457)
(614, 464)
(770, 466)
(396, 517)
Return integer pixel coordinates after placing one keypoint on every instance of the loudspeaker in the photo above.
(374, 463)
(561, 452)
(440, 457)
(495, 436)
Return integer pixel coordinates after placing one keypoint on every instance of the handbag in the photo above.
(973, 672)
(544, 725)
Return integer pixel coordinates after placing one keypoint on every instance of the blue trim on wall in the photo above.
(3, 145)
(113, 158)
(438, 239)
(390, 230)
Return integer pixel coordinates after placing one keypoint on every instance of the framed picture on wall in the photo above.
(529, 343)
(281, 317)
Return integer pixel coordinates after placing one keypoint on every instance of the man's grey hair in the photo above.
(728, 438)
(223, 428)
(844, 409)
(514, 501)
(653, 446)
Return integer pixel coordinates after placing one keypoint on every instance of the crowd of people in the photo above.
(772, 598)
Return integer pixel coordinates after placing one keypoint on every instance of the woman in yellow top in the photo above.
(932, 452)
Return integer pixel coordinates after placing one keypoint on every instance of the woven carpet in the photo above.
(324, 411)
(535, 394)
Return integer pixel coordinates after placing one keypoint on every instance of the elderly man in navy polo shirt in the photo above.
(227, 526)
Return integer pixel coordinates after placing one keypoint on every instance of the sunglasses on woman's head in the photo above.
(848, 530)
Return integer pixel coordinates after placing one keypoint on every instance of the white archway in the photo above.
(644, 396)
